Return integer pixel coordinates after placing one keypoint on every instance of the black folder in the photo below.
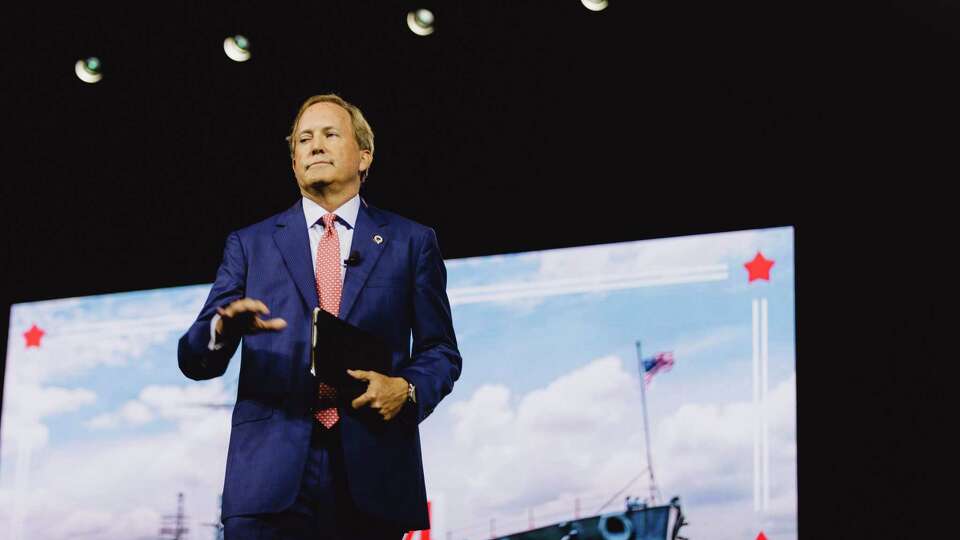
(339, 346)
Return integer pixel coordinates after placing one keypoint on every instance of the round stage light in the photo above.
(89, 70)
(421, 22)
(237, 48)
(595, 5)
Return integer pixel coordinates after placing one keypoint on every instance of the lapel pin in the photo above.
(378, 239)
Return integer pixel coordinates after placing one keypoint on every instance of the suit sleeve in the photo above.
(196, 359)
(435, 360)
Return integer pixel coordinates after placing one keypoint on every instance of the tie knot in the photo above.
(328, 220)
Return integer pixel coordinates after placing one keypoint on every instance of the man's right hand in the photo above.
(240, 318)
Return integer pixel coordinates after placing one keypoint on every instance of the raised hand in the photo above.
(240, 318)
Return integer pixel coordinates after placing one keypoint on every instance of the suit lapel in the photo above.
(369, 240)
(294, 244)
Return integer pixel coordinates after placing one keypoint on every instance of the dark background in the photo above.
(523, 125)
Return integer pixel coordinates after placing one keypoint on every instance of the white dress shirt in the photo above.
(344, 224)
(313, 214)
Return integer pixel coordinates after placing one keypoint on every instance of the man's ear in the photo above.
(366, 158)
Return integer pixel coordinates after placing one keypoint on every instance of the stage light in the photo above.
(595, 5)
(420, 22)
(89, 70)
(237, 48)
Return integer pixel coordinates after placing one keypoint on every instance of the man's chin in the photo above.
(317, 183)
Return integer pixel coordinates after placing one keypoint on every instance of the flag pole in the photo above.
(646, 425)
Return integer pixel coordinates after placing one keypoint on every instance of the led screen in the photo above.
(551, 422)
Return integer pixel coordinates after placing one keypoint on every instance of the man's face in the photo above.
(325, 152)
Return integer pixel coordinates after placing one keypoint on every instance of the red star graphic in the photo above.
(759, 268)
(761, 536)
(33, 336)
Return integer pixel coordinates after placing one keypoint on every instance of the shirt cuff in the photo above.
(213, 345)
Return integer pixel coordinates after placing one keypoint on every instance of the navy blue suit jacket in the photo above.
(397, 291)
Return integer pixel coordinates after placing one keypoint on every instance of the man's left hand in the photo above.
(386, 395)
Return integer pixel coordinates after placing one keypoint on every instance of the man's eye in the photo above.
(304, 140)
(332, 135)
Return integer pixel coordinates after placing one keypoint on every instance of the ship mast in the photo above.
(173, 526)
(654, 491)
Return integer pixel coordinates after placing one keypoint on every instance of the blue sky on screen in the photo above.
(100, 430)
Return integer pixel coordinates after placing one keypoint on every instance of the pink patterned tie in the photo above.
(329, 288)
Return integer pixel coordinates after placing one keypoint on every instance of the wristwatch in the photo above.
(411, 393)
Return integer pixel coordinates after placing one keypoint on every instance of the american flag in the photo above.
(660, 362)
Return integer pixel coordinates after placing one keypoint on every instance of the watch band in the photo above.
(411, 393)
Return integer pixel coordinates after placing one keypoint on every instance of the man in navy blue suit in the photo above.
(301, 463)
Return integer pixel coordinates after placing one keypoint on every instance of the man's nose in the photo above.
(316, 146)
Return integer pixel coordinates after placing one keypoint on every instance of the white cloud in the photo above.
(25, 406)
(710, 341)
(106, 488)
(600, 269)
(527, 450)
(488, 411)
(79, 487)
(51, 400)
(185, 402)
(168, 402)
(135, 524)
(118, 489)
(581, 436)
(626, 278)
(132, 413)
(710, 449)
(81, 335)
(655, 254)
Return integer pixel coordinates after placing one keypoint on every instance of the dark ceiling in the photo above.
(524, 125)
(500, 130)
